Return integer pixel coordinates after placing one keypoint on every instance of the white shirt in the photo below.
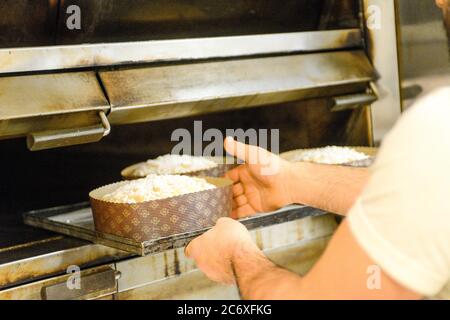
(402, 219)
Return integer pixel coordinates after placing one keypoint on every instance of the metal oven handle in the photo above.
(352, 101)
(90, 286)
(68, 137)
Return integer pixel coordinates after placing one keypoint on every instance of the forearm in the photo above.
(330, 188)
(340, 273)
(259, 279)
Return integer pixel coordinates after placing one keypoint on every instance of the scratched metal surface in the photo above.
(28, 254)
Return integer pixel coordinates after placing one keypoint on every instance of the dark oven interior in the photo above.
(138, 20)
(33, 180)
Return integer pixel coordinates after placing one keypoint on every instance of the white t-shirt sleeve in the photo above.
(402, 219)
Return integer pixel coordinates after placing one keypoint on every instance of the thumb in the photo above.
(248, 153)
(188, 250)
(441, 3)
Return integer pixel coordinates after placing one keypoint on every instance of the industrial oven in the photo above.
(89, 87)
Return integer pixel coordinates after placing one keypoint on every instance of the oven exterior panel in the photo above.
(294, 245)
(50, 257)
(144, 94)
(382, 48)
(194, 285)
(121, 53)
(95, 283)
(139, 272)
(140, 20)
(53, 110)
(424, 32)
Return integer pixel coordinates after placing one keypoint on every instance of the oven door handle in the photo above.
(352, 101)
(82, 287)
(68, 137)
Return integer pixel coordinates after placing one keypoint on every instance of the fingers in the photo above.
(233, 204)
(241, 200)
(238, 189)
(188, 250)
(248, 153)
(233, 175)
(441, 3)
(229, 146)
(242, 212)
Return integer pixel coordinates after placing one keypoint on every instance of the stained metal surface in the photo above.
(141, 276)
(40, 95)
(88, 55)
(425, 48)
(138, 20)
(37, 290)
(30, 254)
(410, 51)
(116, 32)
(383, 51)
(94, 285)
(423, 36)
(79, 223)
(52, 101)
(194, 285)
(144, 94)
(27, 22)
(295, 245)
(53, 257)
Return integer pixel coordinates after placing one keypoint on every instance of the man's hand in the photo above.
(255, 190)
(261, 183)
(214, 251)
(227, 254)
(442, 3)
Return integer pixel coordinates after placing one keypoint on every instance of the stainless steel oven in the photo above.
(88, 87)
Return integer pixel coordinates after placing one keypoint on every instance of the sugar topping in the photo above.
(155, 187)
(173, 164)
(331, 155)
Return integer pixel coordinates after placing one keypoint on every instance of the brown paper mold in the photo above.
(223, 165)
(161, 218)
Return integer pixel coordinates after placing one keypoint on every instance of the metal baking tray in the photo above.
(77, 221)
